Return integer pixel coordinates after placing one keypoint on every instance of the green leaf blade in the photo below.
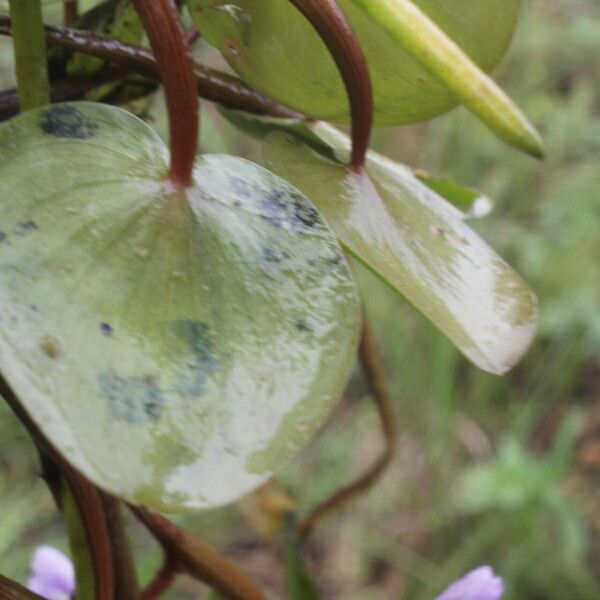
(277, 52)
(165, 342)
(418, 244)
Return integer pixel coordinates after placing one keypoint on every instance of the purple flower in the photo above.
(479, 584)
(52, 574)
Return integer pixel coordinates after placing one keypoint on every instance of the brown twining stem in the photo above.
(67, 88)
(162, 580)
(11, 590)
(70, 11)
(168, 41)
(87, 498)
(335, 30)
(374, 372)
(212, 85)
(125, 575)
(198, 559)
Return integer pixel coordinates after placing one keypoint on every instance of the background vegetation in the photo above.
(503, 471)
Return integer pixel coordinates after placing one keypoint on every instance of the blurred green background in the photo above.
(500, 471)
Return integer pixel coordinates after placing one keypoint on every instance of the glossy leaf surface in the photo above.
(176, 347)
(420, 245)
(331, 142)
(278, 53)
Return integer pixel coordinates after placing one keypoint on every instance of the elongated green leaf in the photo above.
(273, 47)
(472, 203)
(414, 31)
(420, 245)
(177, 347)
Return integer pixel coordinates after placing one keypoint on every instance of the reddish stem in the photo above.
(86, 496)
(162, 580)
(212, 85)
(198, 559)
(70, 11)
(168, 41)
(335, 30)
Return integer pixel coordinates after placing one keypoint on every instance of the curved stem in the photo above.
(11, 590)
(30, 53)
(162, 580)
(198, 559)
(375, 376)
(212, 85)
(168, 41)
(333, 27)
(125, 575)
(86, 498)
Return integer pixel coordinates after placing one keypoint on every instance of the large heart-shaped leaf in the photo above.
(177, 347)
(273, 47)
(418, 243)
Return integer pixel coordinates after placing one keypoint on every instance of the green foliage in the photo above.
(421, 247)
(278, 53)
(437, 514)
(165, 327)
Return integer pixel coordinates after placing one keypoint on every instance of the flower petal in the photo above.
(52, 574)
(479, 584)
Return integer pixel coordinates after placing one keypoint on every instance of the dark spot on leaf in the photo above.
(65, 121)
(275, 256)
(275, 208)
(244, 188)
(270, 255)
(50, 346)
(305, 213)
(25, 227)
(195, 334)
(3, 237)
(302, 325)
(132, 399)
(281, 207)
(106, 329)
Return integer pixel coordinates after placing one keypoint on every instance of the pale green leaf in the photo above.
(420, 245)
(176, 347)
(278, 53)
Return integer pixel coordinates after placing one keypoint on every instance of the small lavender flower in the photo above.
(479, 584)
(52, 574)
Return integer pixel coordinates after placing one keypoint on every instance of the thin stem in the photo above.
(167, 38)
(335, 30)
(198, 559)
(30, 53)
(212, 85)
(86, 499)
(11, 590)
(375, 376)
(70, 11)
(162, 580)
(125, 576)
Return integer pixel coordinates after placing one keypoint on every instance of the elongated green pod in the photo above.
(443, 58)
